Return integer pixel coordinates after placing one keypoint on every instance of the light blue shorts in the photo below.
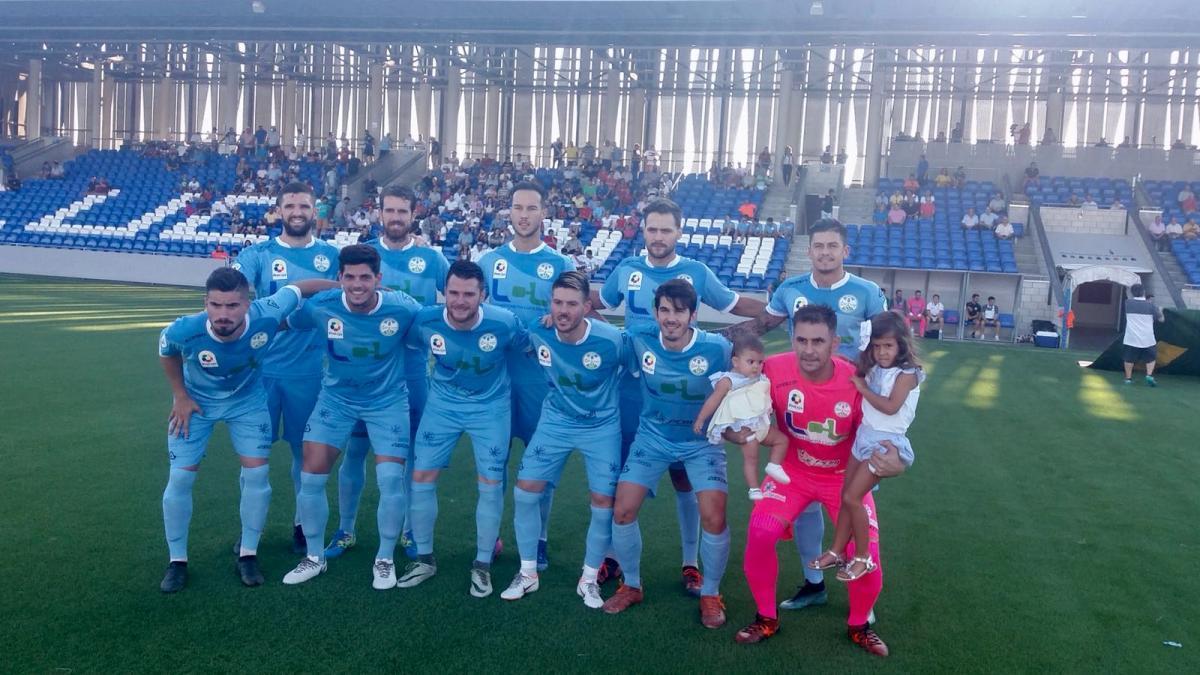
(290, 402)
(553, 443)
(529, 390)
(387, 424)
(650, 457)
(443, 424)
(866, 444)
(249, 431)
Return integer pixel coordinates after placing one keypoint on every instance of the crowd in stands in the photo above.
(915, 201)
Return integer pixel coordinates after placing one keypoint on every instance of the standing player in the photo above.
(292, 364)
(212, 360)
(419, 272)
(673, 360)
(519, 276)
(634, 283)
(819, 408)
(854, 300)
(581, 360)
(364, 330)
(470, 393)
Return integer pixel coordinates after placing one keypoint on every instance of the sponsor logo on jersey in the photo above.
(799, 302)
(487, 342)
(237, 266)
(162, 342)
(698, 365)
(416, 265)
(321, 263)
(648, 362)
(795, 401)
(847, 304)
(437, 344)
(543, 353)
(258, 340)
(591, 360)
(841, 409)
(686, 277)
(207, 359)
(635, 281)
(335, 330)
(389, 327)
(500, 269)
(545, 271)
(279, 270)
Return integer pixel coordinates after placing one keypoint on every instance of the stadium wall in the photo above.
(107, 265)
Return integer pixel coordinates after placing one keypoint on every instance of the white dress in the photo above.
(746, 406)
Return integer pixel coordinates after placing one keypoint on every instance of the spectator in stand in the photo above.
(57, 171)
(1191, 230)
(911, 184)
(943, 179)
(1187, 200)
(324, 208)
(827, 156)
(789, 158)
(922, 170)
(273, 139)
(572, 246)
(342, 213)
(941, 137)
(1073, 200)
(368, 147)
(841, 156)
(933, 315)
(1102, 143)
(1179, 145)
(969, 220)
(478, 250)
(763, 167)
(1158, 233)
(1023, 135)
(1089, 202)
(1004, 229)
(770, 228)
(899, 302)
(916, 313)
(1126, 143)
(896, 215)
(960, 177)
(997, 204)
(827, 205)
(987, 219)
(956, 134)
(1031, 175)
(550, 240)
(385, 145)
(927, 207)
(1117, 204)
(974, 312)
(246, 142)
(1048, 138)
(260, 138)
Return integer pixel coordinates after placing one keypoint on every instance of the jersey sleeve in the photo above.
(776, 306)
(629, 349)
(875, 302)
(443, 269)
(249, 263)
(281, 304)
(167, 341)
(716, 294)
(302, 318)
(519, 342)
(610, 292)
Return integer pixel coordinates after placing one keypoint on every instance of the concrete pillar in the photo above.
(91, 135)
(451, 99)
(636, 114)
(783, 121)
(288, 114)
(1054, 84)
(375, 100)
(230, 91)
(164, 109)
(491, 141)
(33, 100)
(873, 152)
(522, 125)
(612, 100)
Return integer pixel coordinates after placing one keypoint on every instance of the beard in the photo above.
(293, 230)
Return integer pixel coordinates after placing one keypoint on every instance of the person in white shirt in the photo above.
(1140, 344)
(969, 220)
(1089, 203)
(933, 315)
(1174, 229)
(987, 219)
(991, 318)
(1004, 229)
(478, 250)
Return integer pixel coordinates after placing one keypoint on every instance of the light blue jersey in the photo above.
(418, 271)
(634, 281)
(521, 282)
(269, 266)
(469, 366)
(854, 299)
(221, 374)
(675, 384)
(583, 378)
(365, 350)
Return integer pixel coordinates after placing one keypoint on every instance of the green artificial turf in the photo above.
(1047, 525)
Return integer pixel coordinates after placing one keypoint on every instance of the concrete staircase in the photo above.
(856, 206)
(1028, 252)
(399, 166)
(798, 262)
(779, 200)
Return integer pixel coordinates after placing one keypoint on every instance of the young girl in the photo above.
(741, 400)
(890, 391)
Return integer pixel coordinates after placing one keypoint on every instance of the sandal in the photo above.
(847, 573)
(816, 564)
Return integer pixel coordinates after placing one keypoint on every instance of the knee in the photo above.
(600, 501)
(524, 496)
(623, 515)
(713, 523)
(849, 501)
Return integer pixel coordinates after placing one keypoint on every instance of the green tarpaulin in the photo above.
(1178, 345)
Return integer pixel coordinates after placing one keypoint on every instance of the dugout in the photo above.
(955, 289)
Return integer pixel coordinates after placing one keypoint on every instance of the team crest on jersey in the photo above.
(799, 302)
(500, 269)
(237, 266)
(795, 401)
(487, 342)
(841, 409)
(207, 359)
(162, 342)
(389, 327)
(648, 362)
(545, 271)
(437, 344)
(335, 330)
(635, 281)
(416, 265)
(847, 303)
(685, 277)
(321, 263)
(258, 340)
(543, 353)
(278, 270)
(698, 365)
(591, 360)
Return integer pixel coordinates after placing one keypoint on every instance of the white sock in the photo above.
(529, 569)
(589, 575)
(245, 552)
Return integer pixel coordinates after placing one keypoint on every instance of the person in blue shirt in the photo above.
(292, 364)
(581, 361)
(855, 300)
(634, 283)
(519, 276)
(673, 360)
(419, 272)
(213, 361)
(363, 330)
(470, 393)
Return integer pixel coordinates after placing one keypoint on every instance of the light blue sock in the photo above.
(546, 503)
(297, 469)
(599, 537)
(488, 512)
(256, 497)
(422, 513)
(408, 487)
(627, 542)
(689, 527)
(314, 511)
(714, 551)
(526, 515)
(177, 511)
(352, 476)
(392, 500)
(809, 532)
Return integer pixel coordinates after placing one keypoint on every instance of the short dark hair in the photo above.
(359, 254)
(663, 205)
(226, 279)
(465, 269)
(991, 298)
(828, 225)
(294, 188)
(974, 295)
(1137, 290)
(574, 280)
(745, 341)
(816, 314)
(532, 186)
(679, 292)
(399, 192)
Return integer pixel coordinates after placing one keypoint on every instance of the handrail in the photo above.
(1035, 217)
(1159, 264)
